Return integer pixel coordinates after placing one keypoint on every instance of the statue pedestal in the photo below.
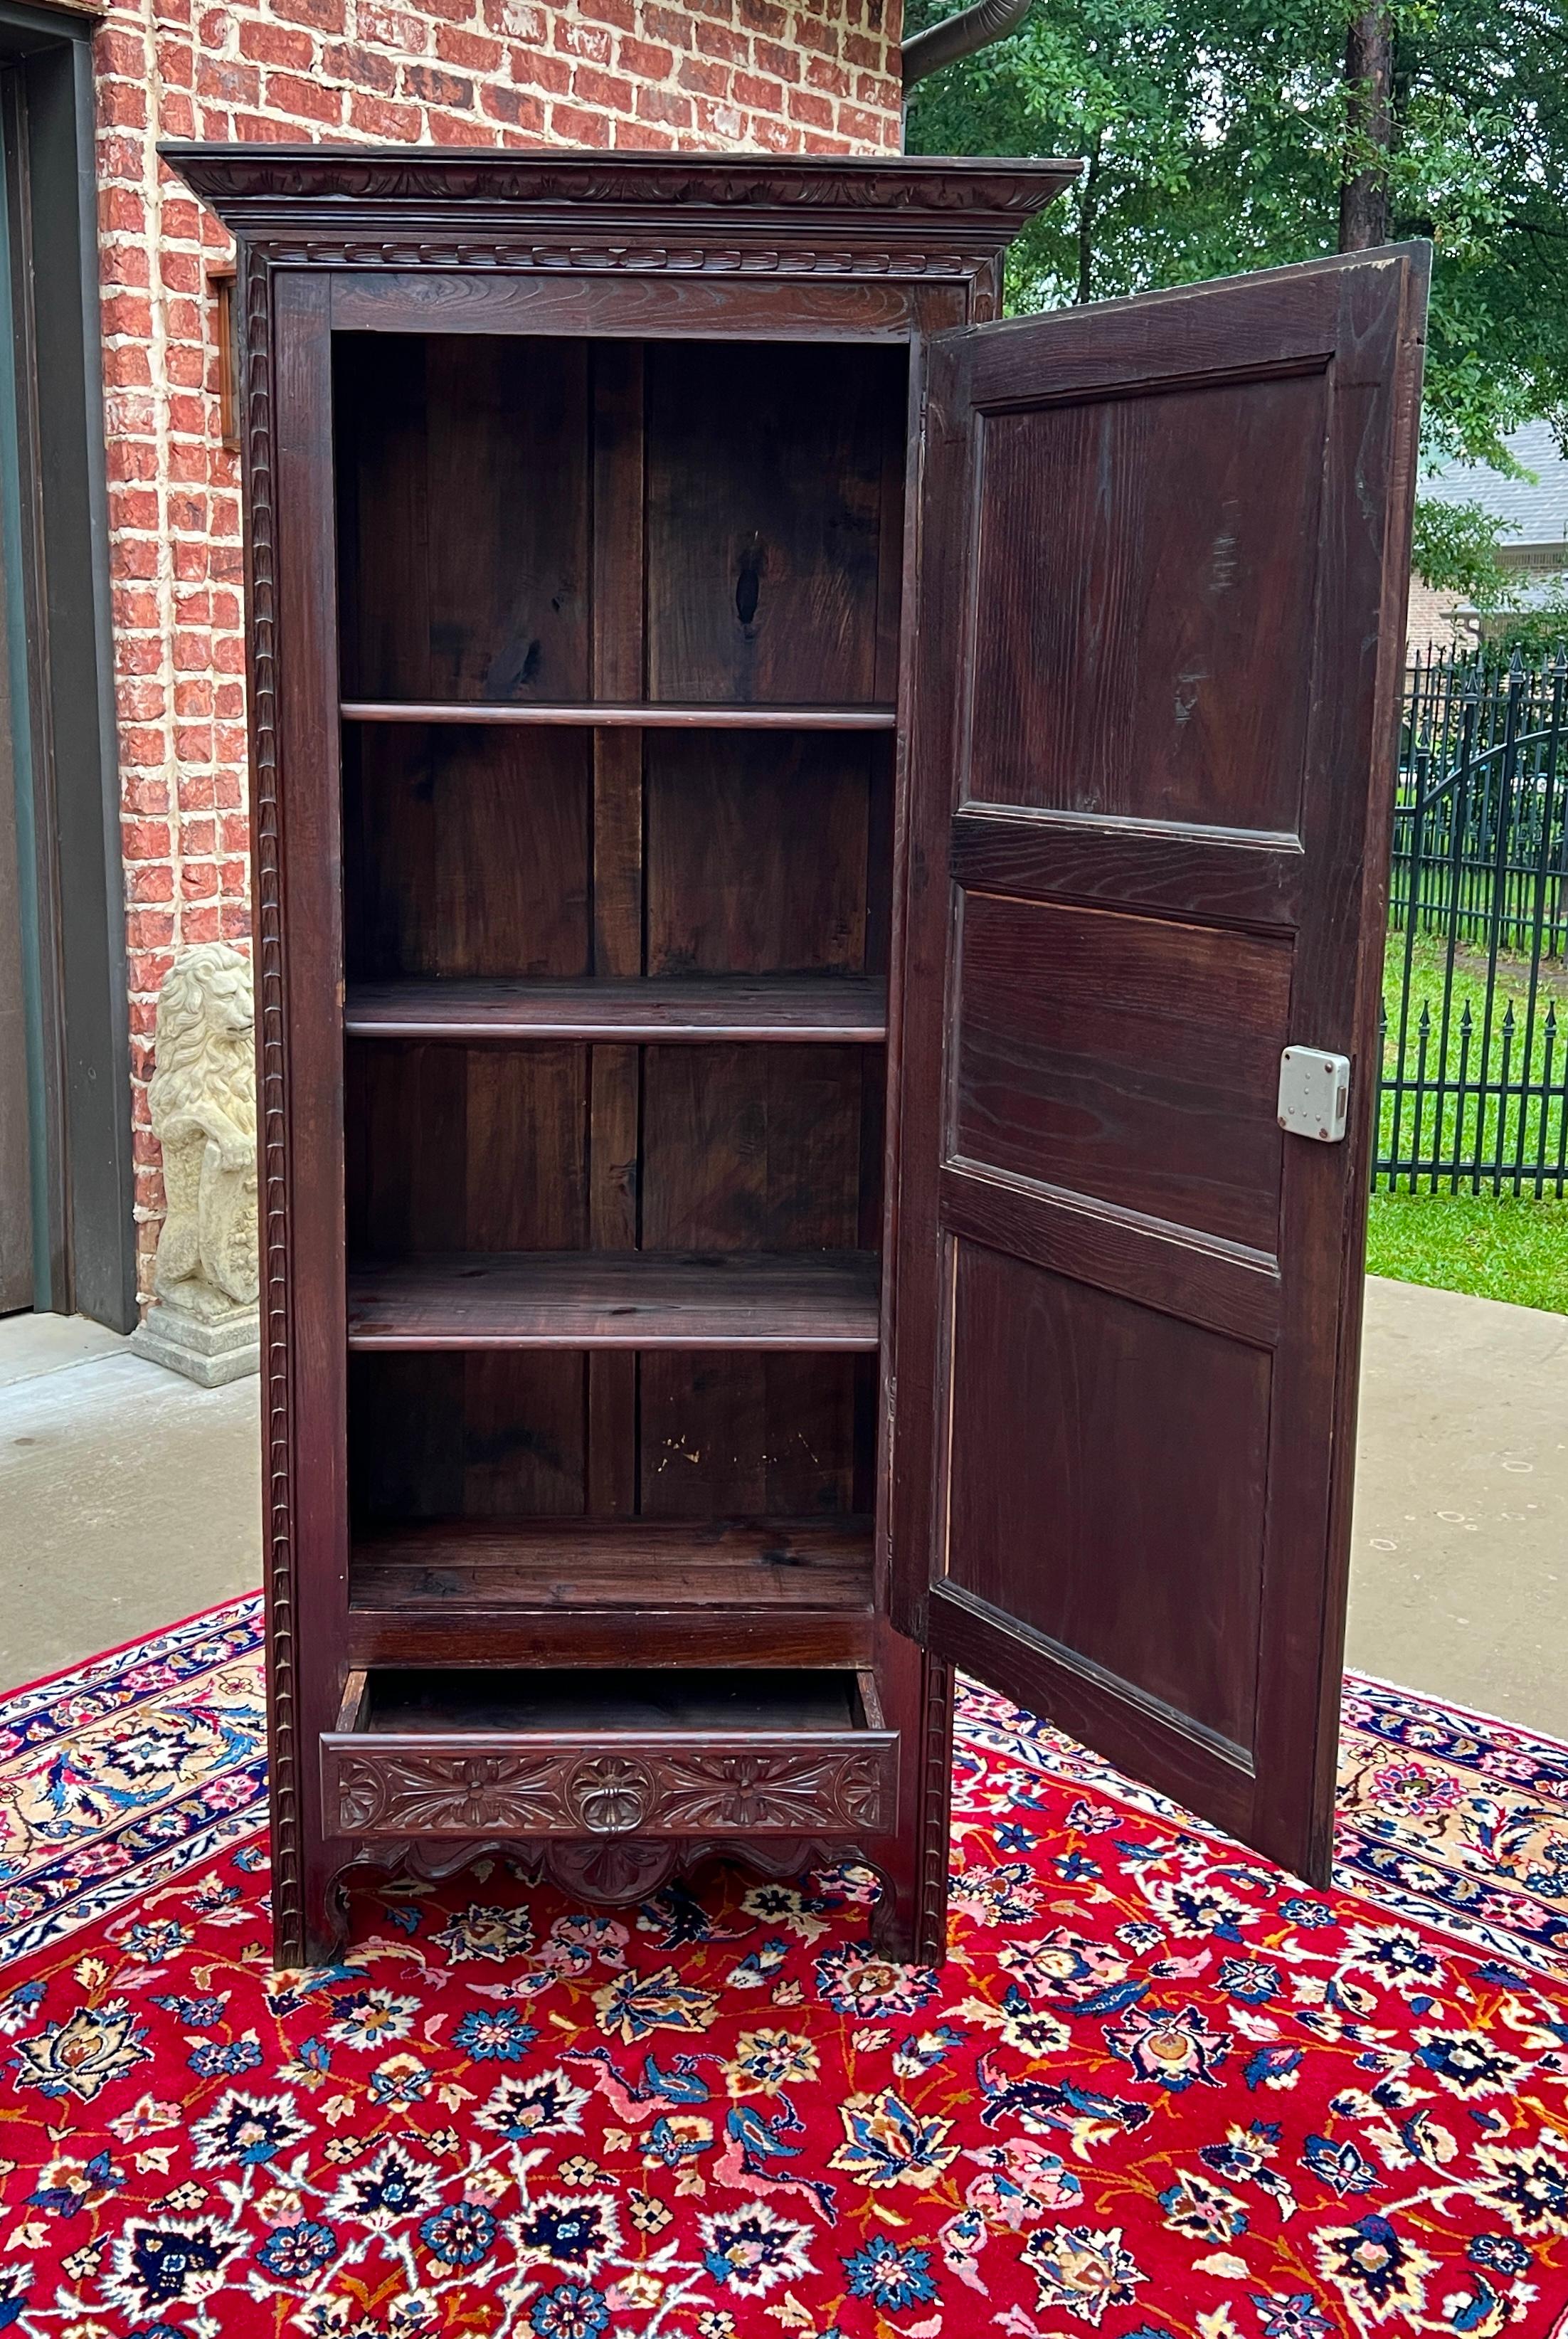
(209, 1352)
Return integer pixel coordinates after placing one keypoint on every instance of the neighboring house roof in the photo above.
(1538, 506)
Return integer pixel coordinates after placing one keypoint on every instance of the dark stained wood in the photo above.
(762, 1591)
(466, 854)
(635, 714)
(294, 686)
(1223, 1285)
(757, 867)
(599, 1299)
(519, 1562)
(1228, 875)
(474, 1631)
(704, 1008)
(757, 592)
(1163, 551)
(1120, 1463)
(615, 670)
(1130, 1059)
(733, 1431)
(491, 1434)
(612, 1702)
(749, 1146)
(881, 216)
(1126, 626)
(604, 1753)
(456, 1148)
(444, 525)
(399, 301)
(468, 464)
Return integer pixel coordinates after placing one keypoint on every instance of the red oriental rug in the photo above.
(1159, 2092)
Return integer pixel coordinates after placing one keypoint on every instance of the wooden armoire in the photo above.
(819, 866)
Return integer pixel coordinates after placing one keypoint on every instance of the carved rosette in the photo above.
(378, 1790)
(444, 1794)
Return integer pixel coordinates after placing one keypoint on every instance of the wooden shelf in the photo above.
(615, 1300)
(734, 1591)
(630, 1564)
(693, 1008)
(641, 714)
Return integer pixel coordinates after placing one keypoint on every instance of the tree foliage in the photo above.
(1217, 134)
(1455, 549)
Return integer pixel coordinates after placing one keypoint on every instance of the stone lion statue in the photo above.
(202, 1100)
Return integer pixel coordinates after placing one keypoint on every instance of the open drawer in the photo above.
(467, 1754)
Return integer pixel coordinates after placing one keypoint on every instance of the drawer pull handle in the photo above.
(611, 1794)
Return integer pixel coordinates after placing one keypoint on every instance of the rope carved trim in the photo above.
(271, 1098)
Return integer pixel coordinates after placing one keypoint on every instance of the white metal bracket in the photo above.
(1313, 1094)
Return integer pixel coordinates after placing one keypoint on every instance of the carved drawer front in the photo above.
(470, 1754)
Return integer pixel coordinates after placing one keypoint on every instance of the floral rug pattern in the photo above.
(1159, 2091)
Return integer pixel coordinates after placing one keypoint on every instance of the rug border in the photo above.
(134, 1641)
(1455, 1705)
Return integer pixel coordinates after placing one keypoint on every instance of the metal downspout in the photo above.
(960, 36)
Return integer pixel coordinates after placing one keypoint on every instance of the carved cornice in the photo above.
(765, 258)
(554, 181)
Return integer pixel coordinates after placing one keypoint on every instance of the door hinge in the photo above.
(1313, 1094)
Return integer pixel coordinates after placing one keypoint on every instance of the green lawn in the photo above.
(1501, 1246)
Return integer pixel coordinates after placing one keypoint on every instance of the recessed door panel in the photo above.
(1127, 1059)
(1107, 1417)
(1130, 604)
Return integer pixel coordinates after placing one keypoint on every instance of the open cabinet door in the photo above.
(1162, 569)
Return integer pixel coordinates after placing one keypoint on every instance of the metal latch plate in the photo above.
(1313, 1094)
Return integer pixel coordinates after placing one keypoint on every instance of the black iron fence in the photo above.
(1476, 991)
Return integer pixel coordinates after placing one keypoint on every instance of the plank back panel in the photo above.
(466, 853)
(756, 590)
(757, 852)
(464, 466)
(496, 1435)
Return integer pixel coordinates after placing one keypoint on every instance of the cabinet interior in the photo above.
(619, 638)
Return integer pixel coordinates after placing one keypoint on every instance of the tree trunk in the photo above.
(1368, 79)
(1087, 206)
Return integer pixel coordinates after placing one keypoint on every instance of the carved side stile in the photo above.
(272, 1110)
(930, 1914)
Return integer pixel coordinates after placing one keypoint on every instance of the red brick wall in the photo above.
(813, 76)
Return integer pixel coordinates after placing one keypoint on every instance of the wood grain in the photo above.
(469, 464)
(1131, 1060)
(589, 1300)
(616, 669)
(671, 715)
(617, 1564)
(702, 1009)
(758, 592)
(1126, 626)
(476, 544)
(1162, 551)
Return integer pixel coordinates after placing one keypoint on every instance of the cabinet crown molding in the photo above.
(981, 199)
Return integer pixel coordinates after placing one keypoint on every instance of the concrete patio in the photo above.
(128, 1499)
